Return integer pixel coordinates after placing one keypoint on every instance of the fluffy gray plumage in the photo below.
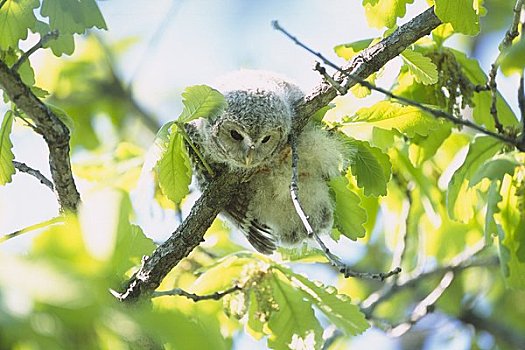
(252, 133)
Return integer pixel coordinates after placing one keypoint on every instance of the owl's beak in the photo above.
(249, 155)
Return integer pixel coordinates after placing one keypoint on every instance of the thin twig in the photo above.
(434, 112)
(424, 307)
(493, 87)
(24, 168)
(333, 259)
(467, 259)
(55, 220)
(43, 40)
(195, 297)
(322, 70)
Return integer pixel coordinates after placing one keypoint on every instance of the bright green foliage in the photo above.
(294, 325)
(482, 149)
(512, 60)
(70, 17)
(7, 169)
(494, 169)
(279, 302)
(390, 115)
(174, 168)
(16, 17)
(423, 148)
(347, 51)
(201, 101)
(349, 217)
(511, 228)
(461, 14)
(371, 168)
(385, 13)
(424, 71)
(483, 100)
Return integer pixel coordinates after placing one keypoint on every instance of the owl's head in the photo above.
(253, 128)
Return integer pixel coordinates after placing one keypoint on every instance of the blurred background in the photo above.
(140, 66)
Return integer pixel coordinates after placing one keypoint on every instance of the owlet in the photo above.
(252, 135)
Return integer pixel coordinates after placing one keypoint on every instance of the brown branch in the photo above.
(55, 133)
(349, 79)
(222, 188)
(43, 40)
(24, 168)
(195, 297)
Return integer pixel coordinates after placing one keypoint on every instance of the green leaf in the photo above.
(372, 168)
(421, 67)
(347, 51)
(336, 307)
(7, 169)
(483, 100)
(201, 101)
(461, 14)
(511, 238)
(294, 326)
(442, 33)
(390, 115)
(349, 217)
(493, 198)
(16, 17)
(384, 13)
(423, 148)
(494, 170)
(72, 16)
(480, 150)
(512, 59)
(174, 169)
(131, 244)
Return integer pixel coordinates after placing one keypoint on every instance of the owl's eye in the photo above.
(235, 135)
(266, 139)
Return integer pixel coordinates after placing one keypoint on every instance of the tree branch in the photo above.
(43, 40)
(465, 260)
(347, 79)
(195, 297)
(55, 133)
(222, 188)
(22, 167)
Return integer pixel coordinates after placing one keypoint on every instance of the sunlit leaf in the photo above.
(461, 14)
(512, 60)
(336, 307)
(390, 115)
(424, 71)
(201, 101)
(174, 169)
(347, 51)
(385, 13)
(494, 170)
(349, 217)
(423, 148)
(16, 17)
(7, 169)
(372, 168)
(480, 150)
(294, 325)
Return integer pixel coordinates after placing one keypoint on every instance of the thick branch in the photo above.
(222, 188)
(367, 62)
(55, 133)
(187, 236)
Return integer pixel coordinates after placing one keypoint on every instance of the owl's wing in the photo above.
(259, 235)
